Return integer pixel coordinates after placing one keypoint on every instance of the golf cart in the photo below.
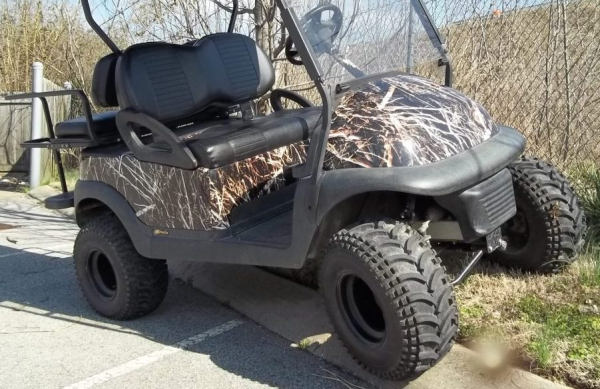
(353, 186)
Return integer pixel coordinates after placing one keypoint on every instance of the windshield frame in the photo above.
(419, 15)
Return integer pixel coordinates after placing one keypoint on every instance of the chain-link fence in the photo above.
(535, 65)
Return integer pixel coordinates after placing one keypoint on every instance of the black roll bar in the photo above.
(97, 29)
(234, 14)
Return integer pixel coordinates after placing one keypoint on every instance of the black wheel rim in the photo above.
(102, 275)
(360, 309)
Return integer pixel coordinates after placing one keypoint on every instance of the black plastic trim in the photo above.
(61, 201)
(437, 179)
(250, 214)
(177, 154)
(234, 15)
(482, 208)
(58, 144)
(140, 234)
(219, 246)
(90, 19)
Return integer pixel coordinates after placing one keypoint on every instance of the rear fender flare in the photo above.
(139, 233)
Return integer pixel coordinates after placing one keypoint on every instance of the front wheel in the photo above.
(117, 281)
(548, 231)
(389, 299)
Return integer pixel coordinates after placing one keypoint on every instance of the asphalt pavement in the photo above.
(51, 338)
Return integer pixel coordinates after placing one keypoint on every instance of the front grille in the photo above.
(484, 207)
(499, 201)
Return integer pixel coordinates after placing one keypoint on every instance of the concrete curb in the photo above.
(298, 314)
(41, 193)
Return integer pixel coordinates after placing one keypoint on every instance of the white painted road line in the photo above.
(13, 254)
(155, 356)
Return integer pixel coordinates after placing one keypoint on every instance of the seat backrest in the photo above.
(104, 91)
(175, 83)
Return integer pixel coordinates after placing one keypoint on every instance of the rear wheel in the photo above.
(116, 281)
(548, 231)
(389, 299)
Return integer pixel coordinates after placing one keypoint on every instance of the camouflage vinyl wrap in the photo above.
(168, 197)
(406, 120)
(401, 121)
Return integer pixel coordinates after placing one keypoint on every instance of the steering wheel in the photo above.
(278, 95)
(321, 33)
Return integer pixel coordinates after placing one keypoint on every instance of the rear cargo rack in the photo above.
(66, 198)
(58, 144)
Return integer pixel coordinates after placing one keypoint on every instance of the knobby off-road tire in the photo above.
(389, 299)
(116, 281)
(549, 229)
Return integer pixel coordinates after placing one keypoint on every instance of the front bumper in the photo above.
(482, 208)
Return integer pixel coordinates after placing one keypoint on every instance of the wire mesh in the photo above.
(535, 66)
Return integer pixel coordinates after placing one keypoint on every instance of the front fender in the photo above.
(436, 179)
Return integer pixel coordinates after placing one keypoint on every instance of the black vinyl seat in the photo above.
(182, 93)
(104, 94)
(104, 125)
(223, 142)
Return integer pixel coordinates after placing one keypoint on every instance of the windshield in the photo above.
(357, 38)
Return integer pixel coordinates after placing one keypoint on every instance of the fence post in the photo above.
(410, 61)
(35, 164)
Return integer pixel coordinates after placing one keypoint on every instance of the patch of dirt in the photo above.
(13, 182)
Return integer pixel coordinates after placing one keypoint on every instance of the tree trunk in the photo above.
(262, 24)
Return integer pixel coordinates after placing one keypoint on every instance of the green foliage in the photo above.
(586, 179)
(589, 267)
(471, 311)
(566, 323)
(304, 344)
(71, 175)
(543, 348)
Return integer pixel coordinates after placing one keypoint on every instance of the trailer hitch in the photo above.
(494, 241)
(467, 270)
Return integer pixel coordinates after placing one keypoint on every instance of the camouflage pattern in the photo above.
(405, 120)
(201, 199)
(401, 121)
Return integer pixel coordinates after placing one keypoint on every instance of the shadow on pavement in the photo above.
(45, 285)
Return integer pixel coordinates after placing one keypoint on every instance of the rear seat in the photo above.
(103, 123)
(104, 94)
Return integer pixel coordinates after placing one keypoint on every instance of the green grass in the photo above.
(561, 329)
(589, 267)
(550, 322)
(71, 176)
(304, 344)
(543, 348)
(586, 179)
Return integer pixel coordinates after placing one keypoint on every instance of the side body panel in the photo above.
(168, 197)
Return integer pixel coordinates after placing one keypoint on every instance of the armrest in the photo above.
(278, 94)
(87, 110)
(179, 155)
